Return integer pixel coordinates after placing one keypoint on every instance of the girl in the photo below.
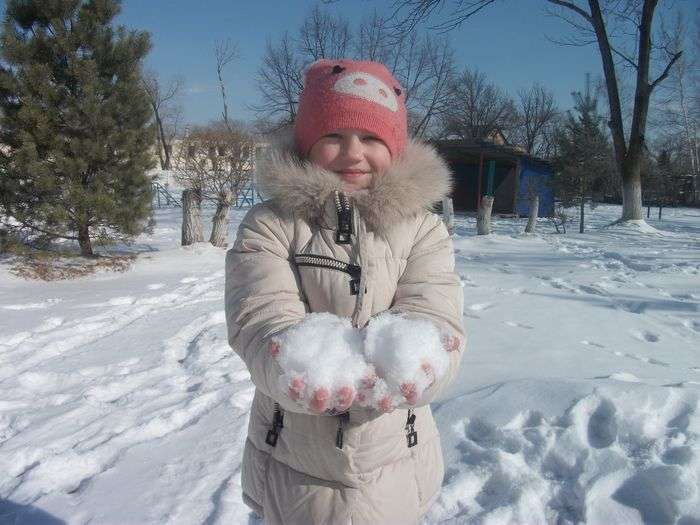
(342, 300)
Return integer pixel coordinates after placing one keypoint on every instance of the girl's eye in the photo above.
(370, 138)
(332, 136)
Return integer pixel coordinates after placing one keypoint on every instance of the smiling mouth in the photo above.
(351, 173)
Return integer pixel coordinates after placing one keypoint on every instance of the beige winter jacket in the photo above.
(398, 257)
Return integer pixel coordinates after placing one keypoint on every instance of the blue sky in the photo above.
(507, 41)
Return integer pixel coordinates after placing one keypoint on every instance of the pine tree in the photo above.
(583, 161)
(74, 121)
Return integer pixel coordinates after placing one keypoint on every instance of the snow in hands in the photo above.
(328, 365)
(321, 361)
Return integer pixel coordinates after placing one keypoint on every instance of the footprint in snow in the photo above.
(595, 444)
(479, 307)
(692, 324)
(518, 325)
(189, 280)
(155, 286)
(602, 426)
(591, 343)
(593, 289)
(645, 336)
(621, 376)
(648, 360)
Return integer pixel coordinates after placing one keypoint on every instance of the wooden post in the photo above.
(490, 177)
(516, 186)
(481, 173)
(483, 219)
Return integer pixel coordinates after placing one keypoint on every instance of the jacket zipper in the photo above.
(323, 261)
(343, 235)
(344, 231)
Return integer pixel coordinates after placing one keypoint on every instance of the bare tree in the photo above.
(372, 42)
(324, 36)
(216, 160)
(423, 65)
(537, 113)
(225, 53)
(280, 80)
(633, 19)
(166, 112)
(676, 113)
(478, 107)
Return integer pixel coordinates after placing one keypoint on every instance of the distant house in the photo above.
(492, 167)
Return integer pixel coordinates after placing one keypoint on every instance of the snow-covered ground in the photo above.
(578, 399)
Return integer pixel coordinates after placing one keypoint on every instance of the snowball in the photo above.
(322, 351)
(399, 347)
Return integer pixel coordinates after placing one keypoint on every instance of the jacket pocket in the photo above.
(430, 471)
(324, 261)
(254, 474)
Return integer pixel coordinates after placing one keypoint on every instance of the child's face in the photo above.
(354, 155)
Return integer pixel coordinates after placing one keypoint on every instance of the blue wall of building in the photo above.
(538, 176)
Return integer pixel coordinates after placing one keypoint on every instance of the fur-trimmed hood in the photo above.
(415, 182)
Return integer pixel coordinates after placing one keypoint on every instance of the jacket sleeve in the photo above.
(262, 297)
(430, 289)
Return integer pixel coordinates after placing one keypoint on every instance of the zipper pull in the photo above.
(411, 434)
(342, 421)
(277, 425)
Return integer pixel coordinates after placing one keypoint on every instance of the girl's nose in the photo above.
(353, 148)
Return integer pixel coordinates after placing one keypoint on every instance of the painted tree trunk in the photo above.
(219, 231)
(534, 205)
(632, 198)
(192, 230)
(448, 215)
(483, 219)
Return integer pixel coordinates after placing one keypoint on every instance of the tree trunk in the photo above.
(84, 240)
(483, 219)
(534, 205)
(219, 230)
(582, 215)
(632, 197)
(165, 163)
(192, 230)
(648, 210)
(660, 211)
(448, 214)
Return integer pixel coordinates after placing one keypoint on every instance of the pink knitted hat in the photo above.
(350, 94)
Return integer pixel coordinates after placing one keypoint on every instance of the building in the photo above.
(492, 167)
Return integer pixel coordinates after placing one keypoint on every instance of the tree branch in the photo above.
(573, 7)
(663, 75)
